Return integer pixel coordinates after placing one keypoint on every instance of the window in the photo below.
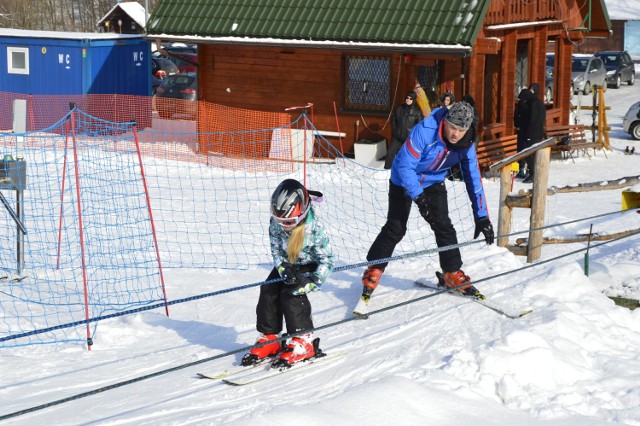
(428, 78)
(18, 60)
(367, 83)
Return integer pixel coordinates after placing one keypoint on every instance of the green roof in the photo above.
(394, 22)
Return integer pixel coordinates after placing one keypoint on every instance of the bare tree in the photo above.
(57, 15)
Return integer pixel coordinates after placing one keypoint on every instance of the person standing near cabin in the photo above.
(447, 100)
(405, 116)
(303, 259)
(418, 176)
(472, 133)
(529, 119)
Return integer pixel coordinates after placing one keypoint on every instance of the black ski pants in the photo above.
(276, 302)
(396, 226)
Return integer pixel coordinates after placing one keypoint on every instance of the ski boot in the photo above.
(370, 280)
(457, 280)
(299, 348)
(257, 355)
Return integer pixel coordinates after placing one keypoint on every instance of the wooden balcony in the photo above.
(515, 11)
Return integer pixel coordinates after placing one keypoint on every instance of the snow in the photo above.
(623, 9)
(442, 360)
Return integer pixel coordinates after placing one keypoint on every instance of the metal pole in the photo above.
(20, 231)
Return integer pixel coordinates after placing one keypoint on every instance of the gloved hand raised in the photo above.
(483, 224)
(422, 201)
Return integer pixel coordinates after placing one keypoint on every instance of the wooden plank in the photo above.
(524, 153)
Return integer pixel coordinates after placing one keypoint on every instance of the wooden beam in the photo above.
(487, 46)
(583, 238)
(591, 186)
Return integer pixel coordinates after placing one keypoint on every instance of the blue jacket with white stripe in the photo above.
(425, 158)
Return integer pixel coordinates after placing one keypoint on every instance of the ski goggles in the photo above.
(291, 221)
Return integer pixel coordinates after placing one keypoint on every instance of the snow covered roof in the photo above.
(399, 24)
(131, 8)
(65, 35)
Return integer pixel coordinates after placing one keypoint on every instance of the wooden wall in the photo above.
(273, 79)
(615, 42)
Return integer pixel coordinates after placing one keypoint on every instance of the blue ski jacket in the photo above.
(425, 158)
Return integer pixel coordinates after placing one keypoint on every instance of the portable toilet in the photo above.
(68, 63)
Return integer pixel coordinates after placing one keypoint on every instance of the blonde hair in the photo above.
(296, 240)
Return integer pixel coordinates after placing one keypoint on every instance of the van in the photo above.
(587, 71)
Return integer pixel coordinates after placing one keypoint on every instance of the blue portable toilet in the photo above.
(68, 63)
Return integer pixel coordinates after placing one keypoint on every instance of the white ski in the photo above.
(257, 375)
(237, 369)
(484, 302)
(362, 308)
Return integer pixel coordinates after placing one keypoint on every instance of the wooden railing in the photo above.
(512, 11)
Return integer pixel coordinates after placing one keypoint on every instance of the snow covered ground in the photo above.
(439, 361)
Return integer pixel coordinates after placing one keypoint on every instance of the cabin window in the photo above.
(366, 86)
(428, 79)
(18, 60)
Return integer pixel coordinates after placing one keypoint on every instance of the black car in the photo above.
(177, 96)
(160, 69)
(619, 67)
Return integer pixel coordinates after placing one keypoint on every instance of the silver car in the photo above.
(631, 121)
(587, 71)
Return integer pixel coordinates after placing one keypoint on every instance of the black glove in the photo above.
(307, 285)
(422, 201)
(289, 273)
(483, 224)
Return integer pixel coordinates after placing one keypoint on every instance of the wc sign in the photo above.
(138, 57)
(65, 60)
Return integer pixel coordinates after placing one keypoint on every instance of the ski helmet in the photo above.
(290, 203)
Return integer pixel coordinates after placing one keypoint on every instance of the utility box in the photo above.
(369, 153)
(13, 174)
(630, 199)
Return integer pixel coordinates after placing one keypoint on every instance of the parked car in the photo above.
(160, 69)
(190, 64)
(631, 121)
(175, 51)
(619, 67)
(587, 71)
(177, 96)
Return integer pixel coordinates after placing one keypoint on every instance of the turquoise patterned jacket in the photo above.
(316, 247)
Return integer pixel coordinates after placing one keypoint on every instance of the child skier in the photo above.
(303, 259)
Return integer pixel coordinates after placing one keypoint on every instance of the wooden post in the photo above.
(538, 202)
(504, 211)
(602, 119)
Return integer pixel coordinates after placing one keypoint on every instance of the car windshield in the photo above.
(579, 65)
(610, 59)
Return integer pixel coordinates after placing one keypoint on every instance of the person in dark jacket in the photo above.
(404, 118)
(418, 176)
(529, 119)
(472, 133)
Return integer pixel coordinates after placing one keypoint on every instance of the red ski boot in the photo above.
(298, 349)
(256, 355)
(457, 281)
(370, 280)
